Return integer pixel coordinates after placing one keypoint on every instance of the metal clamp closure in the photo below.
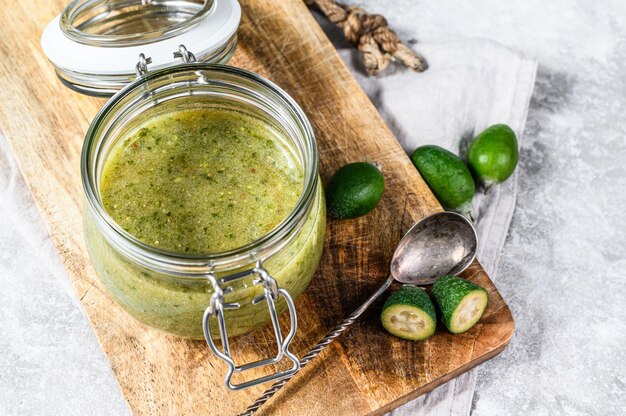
(141, 68)
(142, 65)
(184, 54)
(271, 293)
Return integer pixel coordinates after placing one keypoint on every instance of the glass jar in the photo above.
(133, 49)
(170, 291)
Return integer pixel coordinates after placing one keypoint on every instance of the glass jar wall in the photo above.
(169, 290)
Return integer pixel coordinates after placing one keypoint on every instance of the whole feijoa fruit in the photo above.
(447, 176)
(354, 190)
(493, 154)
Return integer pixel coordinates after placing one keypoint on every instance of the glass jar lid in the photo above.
(95, 44)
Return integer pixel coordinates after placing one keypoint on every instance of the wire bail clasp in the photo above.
(184, 54)
(271, 293)
(141, 68)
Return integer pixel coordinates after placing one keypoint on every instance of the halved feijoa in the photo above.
(460, 301)
(409, 313)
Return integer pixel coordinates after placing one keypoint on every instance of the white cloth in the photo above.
(470, 85)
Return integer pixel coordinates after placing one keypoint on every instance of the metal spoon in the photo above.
(440, 244)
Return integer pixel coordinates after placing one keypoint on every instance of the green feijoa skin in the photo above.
(447, 176)
(409, 313)
(461, 302)
(354, 190)
(493, 154)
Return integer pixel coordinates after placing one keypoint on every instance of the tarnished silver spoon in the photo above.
(442, 243)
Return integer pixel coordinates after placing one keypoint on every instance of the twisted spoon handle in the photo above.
(318, 348)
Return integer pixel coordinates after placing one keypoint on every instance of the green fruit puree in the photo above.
(198, 182)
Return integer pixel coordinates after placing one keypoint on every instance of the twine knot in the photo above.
(378, 45)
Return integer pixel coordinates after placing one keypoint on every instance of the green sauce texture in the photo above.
(195, 182)
(201, 181)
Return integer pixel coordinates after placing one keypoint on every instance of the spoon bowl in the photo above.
(442, 243)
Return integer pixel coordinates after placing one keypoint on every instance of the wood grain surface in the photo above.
(367, 371)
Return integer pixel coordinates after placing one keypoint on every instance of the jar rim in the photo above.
(80, 15)
(170, 261)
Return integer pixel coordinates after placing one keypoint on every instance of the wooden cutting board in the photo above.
(367, 371)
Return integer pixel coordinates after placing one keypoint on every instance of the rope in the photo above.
(379, 45)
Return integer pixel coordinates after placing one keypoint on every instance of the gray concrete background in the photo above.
(561, 270)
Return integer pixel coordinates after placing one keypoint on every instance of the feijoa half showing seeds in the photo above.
(409, 313)
(461, 302)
